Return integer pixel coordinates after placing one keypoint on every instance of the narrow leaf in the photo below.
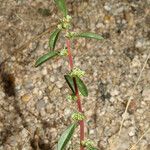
(65, 137)
(45, 57)
(81, 86)
(69, 80)
(89, 35)
(53, 38)
(62, 6)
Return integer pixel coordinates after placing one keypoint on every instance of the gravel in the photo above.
(38, 112)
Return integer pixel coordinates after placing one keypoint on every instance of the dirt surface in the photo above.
(33, 106)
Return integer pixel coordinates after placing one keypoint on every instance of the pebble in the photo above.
(42, 112)
(24, 133)
(26, 97)
(40, 104)
(41, 94)
(52, 78)
(49, 108)
(91, 131)
(44, 71)
(107, 7)
(114, 92)
(67, 112)
(135, 62)
(132, 131)
(146, 94)
(59, 84)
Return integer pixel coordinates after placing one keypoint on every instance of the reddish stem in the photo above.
(81, 123)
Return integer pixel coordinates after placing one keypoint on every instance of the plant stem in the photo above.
(81, 123)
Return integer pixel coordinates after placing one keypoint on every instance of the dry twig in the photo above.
(139, 139)
(129, 101)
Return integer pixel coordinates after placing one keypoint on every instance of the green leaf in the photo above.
(70, 82)
(62, 6)
(89, 35)
(66, 136)
(81, 86)
(53, 38)
(45, 57)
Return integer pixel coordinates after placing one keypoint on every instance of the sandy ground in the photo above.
(33, 106)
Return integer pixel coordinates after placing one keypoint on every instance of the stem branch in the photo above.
(81, 123)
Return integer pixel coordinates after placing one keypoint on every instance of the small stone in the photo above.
(2, 94)
(111, 51)
(42, 112)
(49, 108)
(136, 62)
(40, 104)
(139, 43)
(107, 7)
(44, 71)
(92, 131)
(114, 92)
(52, 79)
(26, 97)
(67, 112)
(53, 131)
(140, 111)
(127, 123)
(132, 131)
(126, 115)
(45, 46)
(146, 94)
(24, 133)
(59, 84)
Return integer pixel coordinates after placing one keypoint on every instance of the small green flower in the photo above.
(77, 72)
(66, 25)
(67, 19)
(71, 97)
(63, 52)
(70, 34)
(77, 116)
(65, 22)
(88, 144)
(59, 26)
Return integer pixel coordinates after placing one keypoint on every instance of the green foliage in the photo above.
(77, 72)
(53, 38)
(70, 82)
(73, 78)
(89, 35)
(80, 84)
(45, 57)
(82, 87)
(77, 116)
(89, 145)
(62, 6)
(66, 136)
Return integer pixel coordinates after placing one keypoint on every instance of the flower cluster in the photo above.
(77, 116)
(70, 34)
(65, 23)
(63, 52)
(71, 97)
(77, 72)
(88, 144)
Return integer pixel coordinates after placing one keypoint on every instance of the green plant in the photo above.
(73, 78)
